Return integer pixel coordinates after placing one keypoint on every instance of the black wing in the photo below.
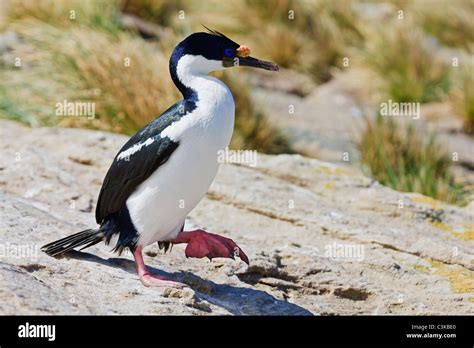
(125, 175)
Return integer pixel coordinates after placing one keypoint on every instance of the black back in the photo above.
(125, 175)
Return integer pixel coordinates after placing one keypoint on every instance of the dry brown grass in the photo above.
(89, 65)
(410, 71)
(313, 41)
(450, 22)
(161, 12)
(99, 14)
(78, 63)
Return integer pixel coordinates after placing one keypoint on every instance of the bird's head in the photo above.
(205, 52)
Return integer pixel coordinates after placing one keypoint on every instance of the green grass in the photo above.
(399, 158)
(462, 94)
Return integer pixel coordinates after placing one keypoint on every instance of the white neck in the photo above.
(192, 72)
(215, 108)
(190, 65)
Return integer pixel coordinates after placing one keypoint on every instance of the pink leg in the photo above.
(205, 244)
(147, 278)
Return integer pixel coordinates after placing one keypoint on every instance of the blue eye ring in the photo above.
(229, 52)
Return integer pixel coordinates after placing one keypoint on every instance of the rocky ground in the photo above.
(322, 238)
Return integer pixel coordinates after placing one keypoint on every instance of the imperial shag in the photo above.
(165, 169)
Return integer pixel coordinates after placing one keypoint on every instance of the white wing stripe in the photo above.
(135, 148)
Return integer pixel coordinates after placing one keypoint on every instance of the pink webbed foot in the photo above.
(147, 278)
(205, 244)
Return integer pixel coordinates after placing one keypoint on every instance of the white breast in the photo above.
(159, 206)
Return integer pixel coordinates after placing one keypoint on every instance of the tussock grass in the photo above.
(399, 158)
(313, 42)
(462, 93)
(410, 71)
(84, 60)
(88, 65)
(98, 14)
(307, 36)
(161, 12)
(450, 22)
(80, 63)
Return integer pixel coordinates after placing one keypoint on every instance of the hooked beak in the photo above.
(257, 63)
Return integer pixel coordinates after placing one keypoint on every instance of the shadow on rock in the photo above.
(236, 300)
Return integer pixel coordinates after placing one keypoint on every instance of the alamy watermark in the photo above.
(19, 251)
(76, 109)
(402, 109)
(248, 157)
(28, 330)
(345, 251)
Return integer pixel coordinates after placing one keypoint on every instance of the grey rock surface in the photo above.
(322, 239)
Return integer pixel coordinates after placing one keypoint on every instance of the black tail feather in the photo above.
(84, 238)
